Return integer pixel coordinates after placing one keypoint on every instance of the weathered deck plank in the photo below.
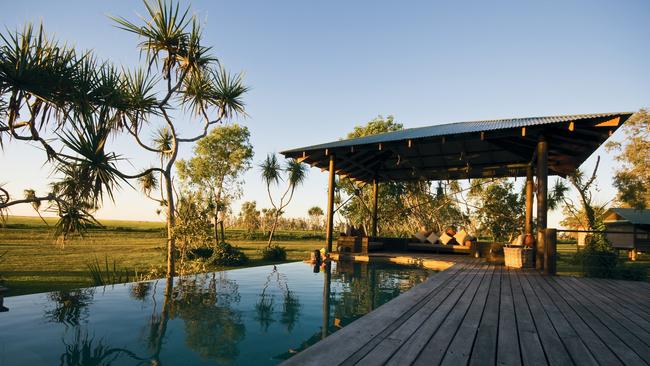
(598, 349)
(387, 345)
(621, 297)
(460, 348)
(532, 352)
(476, 313)
(484, 351)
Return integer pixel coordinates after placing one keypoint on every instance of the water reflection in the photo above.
(140, 290)
(69, 307)
(252, 316)
(83, 350)
(213, 328)
(276, 282)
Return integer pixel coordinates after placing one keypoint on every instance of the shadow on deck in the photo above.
(480, 313)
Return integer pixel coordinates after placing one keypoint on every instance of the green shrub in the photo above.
(274, 253)
(228, 255)
(109, 275)
(200, 253)
(597, 263)
(630, 272)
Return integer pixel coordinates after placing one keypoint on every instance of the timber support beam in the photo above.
(542, 204)
(375, 194)
(330, 205)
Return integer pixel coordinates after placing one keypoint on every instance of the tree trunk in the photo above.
(171, 222)
(275, 223)
(215, 222)
(223, 232)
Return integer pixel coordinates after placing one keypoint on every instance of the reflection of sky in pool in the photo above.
(250, 316)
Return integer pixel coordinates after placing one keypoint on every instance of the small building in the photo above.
(629, 229)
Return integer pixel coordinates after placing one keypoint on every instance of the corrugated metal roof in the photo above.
(456, 128)
(634, 216)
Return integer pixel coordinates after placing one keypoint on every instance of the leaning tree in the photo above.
(69, 104)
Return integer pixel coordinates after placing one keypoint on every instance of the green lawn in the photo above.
(33, 262)
(566, 268)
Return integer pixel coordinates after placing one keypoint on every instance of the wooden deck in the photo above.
(481, 314)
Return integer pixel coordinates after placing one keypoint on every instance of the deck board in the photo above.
(481, 314)
(621, 296)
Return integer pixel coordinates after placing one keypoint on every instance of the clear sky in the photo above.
(317, 69)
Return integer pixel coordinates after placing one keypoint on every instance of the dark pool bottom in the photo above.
(251, 316)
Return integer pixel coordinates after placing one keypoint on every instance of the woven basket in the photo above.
(518, 257)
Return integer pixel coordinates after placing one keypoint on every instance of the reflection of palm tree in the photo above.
(69, 305)
(158, 323)
(264, 307)
(290, 309)
(290, 303)
(82, 352)
(140, 290)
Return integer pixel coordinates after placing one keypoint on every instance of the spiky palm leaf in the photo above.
(30, 194)
(228, 92)
(138, 87)
(271, 170)
(33, 65)
(164, 141)
(165, 30)
(73, 219)
(96, 169)
(148, 183)
(296, 172)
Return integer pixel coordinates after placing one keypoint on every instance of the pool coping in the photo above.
(431, 261)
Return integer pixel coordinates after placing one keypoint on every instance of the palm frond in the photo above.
(73, 220)
(148, 183)
(95, 169)
(163, 141)
(270, 170)
(163, 30)
(228, 92)
(296, 171)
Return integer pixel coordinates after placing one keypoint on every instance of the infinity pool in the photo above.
(252, 316)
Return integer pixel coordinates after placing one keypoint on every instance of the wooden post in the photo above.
(327, 278)
(330, 206)
(529, 200)
(542, 205)
(375, 193)
(551, 252)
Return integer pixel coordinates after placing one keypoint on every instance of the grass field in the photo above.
(565, 267)
(33, 262)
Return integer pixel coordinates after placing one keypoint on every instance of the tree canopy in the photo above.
(632, 178)
(218, 163)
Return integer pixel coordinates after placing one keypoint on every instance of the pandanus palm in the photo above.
(195, 82)
(47, 87)
(272, 174)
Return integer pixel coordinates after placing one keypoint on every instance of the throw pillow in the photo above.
(460, 237)
(433, 238)
(420, 236)
(445, 238)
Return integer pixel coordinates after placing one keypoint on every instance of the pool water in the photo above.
(251, 316)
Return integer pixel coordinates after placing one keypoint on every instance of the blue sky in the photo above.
(316, 69)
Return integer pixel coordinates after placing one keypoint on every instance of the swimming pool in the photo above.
(251, 316)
